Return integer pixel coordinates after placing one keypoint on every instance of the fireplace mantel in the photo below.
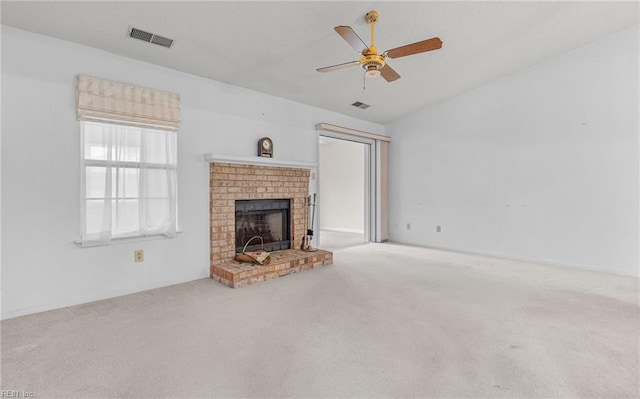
(256, 160)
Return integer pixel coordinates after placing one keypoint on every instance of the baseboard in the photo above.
(108, 295)
(341, 230)
(543, 261)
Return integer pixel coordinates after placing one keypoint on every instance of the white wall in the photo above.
(540, 165)
(342, 185)
(41, 266)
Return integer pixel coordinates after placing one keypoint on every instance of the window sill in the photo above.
(126, 240)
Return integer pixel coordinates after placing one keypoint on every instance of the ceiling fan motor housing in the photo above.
(372, 62)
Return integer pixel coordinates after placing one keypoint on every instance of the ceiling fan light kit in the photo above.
(375, 64)
(372, 73)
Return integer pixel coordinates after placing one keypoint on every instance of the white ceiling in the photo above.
(275, 47)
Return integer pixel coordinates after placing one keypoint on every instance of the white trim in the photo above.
(378, 194)
(135, 238)
(340, 129)
(256, 160)
(130, 164)
(343, 230)
(371, 178)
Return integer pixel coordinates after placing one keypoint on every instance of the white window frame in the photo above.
(139, 235)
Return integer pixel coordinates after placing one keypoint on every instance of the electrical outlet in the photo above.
(438, 229)
(408, 226)
(138, 255)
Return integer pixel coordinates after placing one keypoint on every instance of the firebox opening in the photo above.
(269, 219)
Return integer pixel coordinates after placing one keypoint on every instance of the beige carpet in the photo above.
(331, 239)
(385, 321)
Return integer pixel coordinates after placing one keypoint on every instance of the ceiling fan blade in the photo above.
(389, 74)
(415, 48)
(351, 37)
(337, 67)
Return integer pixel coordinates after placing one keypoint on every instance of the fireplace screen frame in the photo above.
(254, 207)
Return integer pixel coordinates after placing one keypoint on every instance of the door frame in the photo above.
(370, 179)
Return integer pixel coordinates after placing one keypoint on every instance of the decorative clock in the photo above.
(265, 147)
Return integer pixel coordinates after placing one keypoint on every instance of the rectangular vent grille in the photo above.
(150, 38)
(361, 105)
(140, 34)
(162, 41)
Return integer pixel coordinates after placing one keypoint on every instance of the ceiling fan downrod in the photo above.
(372, 17)
(371, 61)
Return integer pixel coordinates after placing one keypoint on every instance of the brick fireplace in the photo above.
(233, 184)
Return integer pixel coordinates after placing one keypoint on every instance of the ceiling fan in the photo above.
(375, 64)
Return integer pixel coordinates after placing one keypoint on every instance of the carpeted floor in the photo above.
(331, 239)
(385, 321)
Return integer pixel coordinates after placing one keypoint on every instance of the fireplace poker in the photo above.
(312, 209)
(306, 246)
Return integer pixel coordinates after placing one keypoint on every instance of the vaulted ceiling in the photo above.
(275, 47)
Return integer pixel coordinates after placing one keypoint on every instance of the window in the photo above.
(129, 182)
(129, 160)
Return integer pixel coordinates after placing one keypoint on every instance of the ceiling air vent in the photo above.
(150, 37)
(162, 41)
(361, 105)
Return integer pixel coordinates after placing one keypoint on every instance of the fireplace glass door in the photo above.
(267, 219)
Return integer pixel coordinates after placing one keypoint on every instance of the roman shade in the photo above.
(104, 100)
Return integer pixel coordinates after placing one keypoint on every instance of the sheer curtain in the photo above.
(129, 182)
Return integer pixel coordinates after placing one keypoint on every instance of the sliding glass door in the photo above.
(345, 190)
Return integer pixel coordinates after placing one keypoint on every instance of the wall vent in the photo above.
(150, 37)
(361, 105)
